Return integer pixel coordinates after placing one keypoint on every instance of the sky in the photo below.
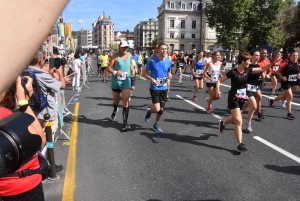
(125, 14)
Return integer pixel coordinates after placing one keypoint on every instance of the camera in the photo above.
(17, 144)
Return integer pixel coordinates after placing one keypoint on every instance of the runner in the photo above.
(237, 95)
(181, 63)
(104, 63)
(289, 74)
(273, 74)
(160, 68)
(212, 74)
(146, 57)
(197, 69)
(132, 77)
(119, 66)
(140, 64)
(254, 91)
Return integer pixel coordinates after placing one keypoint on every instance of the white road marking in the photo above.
(280, 150)
(297, 104)
(199, 107)
(291, 156)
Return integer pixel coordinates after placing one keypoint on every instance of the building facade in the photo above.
(103, 33)
(84, 38)
(183, 27)
(119, 37)
(144, 33)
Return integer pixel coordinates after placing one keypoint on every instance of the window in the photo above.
(172, 5)
(171, 48)
(182, 35)
(193, 36)
(104, 27)
(171, 23)
(171, 35)
(183, 6)
(194, 7)
(181, 47)
(194, 24)
(182, 24)
(193, 46)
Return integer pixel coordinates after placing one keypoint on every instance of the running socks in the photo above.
(125, 114)
(115, 107)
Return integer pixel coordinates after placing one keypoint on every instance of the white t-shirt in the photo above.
(75, 65)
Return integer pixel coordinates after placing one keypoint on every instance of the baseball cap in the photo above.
(194, 49)
(208, 51)
(124, 44)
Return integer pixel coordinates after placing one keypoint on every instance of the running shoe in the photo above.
(180, 81)
(290, 116)
(273, 95)
(98, 75)
(207, 101)
(129, 99)
(131, 93)
(140, 78)
(195, 98)
(282, 103)
(241, 147)
(221, 126)
(156, 128)
(168, 97)
(113, 115)
(105, 81)
(208, 110)
(260, 116)
(148, 115)
(248, 128)
(125, 127)
(271, 102)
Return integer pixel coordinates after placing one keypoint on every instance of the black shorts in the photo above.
(116, 90)
(36, 194)
(103, 68)
(287, 85)
(98, 65)
(132, 80)
(232, 104)
(158, 96)
(198, 78)
(209, 85)
(180, 66)
(140, 65)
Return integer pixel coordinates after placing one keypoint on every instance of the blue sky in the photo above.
(125, 14)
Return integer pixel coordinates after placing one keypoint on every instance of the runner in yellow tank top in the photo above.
(140, 64)
(104, 63)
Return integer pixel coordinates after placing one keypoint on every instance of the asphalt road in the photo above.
(190, 160)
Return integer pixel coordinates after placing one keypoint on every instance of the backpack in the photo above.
(38, 101)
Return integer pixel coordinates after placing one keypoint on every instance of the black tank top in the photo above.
(253, 78)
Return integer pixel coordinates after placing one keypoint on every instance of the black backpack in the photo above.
(38, 101)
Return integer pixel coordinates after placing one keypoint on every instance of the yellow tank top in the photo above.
(104, 60)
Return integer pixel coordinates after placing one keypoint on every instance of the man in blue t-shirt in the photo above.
(135, 57)
(160, 72)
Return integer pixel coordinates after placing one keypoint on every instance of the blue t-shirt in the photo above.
(135, 57)
(82, 59)
(199, 64)
(159, 71)
(97, 58)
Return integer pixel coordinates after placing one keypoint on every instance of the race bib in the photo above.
(104, 63)
(139, 61)
(199, 72)
(241, 93)
(161, 82)
(123, 76)
(252, 88)
(275, 68)
(215, 78)
(146, 56)
(181, 64)
(292, 78)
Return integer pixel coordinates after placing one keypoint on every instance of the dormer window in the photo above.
(182, 6)
(194, 7)
(172, 5)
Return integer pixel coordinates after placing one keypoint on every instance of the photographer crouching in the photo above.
(28, 187)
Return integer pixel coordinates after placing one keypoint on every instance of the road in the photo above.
(190, 160)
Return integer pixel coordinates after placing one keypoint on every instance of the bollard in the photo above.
(50, 148)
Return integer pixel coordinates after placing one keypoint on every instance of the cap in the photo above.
(208, 51)
(194, 49)
(181, 52)
(124, 44)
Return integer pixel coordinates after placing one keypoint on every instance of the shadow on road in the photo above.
(187, 139)
(287, 169)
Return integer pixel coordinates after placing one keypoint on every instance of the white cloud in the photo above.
(81, 22)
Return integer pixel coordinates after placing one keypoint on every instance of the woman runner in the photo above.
(197, 69)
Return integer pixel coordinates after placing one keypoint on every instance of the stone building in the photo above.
(85, 38)
(103, 32)
(144, 33)
(182, 25)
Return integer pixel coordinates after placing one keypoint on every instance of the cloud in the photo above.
(81, 22)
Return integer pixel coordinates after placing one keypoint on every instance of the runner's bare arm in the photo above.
(37, 19)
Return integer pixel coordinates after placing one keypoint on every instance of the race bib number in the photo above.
(199, 72)
(276, 68)
(104, 63)
(292, 78)
(241, 93)
(146, 56)
(252, 88)
(139, 61)
(215, 78)
(181, 64)
(123, 76)
(161, 82)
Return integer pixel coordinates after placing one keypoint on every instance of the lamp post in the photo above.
(201, 18)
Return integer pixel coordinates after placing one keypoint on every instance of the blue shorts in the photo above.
(132, 79)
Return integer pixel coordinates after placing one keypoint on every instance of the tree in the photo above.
(154, 42)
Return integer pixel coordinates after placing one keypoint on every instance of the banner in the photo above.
(68, 30)
(62, 28)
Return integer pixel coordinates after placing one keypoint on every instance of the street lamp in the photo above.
(201, 16)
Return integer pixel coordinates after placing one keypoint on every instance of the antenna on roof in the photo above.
(103, 14)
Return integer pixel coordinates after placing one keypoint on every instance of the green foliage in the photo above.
(154, 42)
